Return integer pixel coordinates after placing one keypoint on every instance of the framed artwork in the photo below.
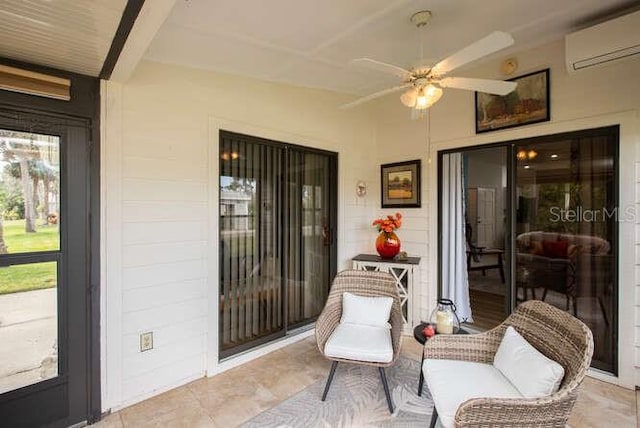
(400, 184)
(528, 103)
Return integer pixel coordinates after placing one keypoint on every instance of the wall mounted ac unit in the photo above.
(603, 43)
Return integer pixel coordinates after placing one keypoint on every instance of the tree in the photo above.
(244, 185)
(11, 197)
(19, 168)
(21, 158)
(40, 171)
(3, 246)
(3, 197)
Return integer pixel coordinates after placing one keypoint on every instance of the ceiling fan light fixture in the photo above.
(421, 99)
(427, 96)
(408, 98)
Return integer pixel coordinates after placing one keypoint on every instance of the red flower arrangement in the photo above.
(389, 223)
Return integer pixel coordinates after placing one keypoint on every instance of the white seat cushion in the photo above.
(453, 382)
(360, 343)
(527, 369)
(365, 310)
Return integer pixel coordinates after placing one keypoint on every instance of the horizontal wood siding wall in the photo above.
(161, 220)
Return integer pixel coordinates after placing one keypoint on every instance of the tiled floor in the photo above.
(237, 395)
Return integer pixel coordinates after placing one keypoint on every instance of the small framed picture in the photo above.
(528, 103)
(400, 184)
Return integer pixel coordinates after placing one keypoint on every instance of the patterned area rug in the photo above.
(356, 399)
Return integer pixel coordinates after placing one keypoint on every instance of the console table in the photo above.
(402, 271)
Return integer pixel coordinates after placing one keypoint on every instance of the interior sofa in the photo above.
(573, 265)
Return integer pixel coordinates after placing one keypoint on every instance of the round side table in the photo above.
(422, 339)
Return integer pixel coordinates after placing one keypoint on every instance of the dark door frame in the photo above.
(84, 106)
(510, 145)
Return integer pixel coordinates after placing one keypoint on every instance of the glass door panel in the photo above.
(566, 232)
(309, 235)
(29, 192)
(28, 325)
(30, 252)
(250, 244)
(486, 234)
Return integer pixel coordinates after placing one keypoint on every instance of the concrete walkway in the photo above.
(28, 338)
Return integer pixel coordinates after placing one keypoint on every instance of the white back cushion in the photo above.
(361, 310)
(527, 369)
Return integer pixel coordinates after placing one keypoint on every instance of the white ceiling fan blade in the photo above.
(492, 43)
(497, 87)
(374, 96)
(382, 66)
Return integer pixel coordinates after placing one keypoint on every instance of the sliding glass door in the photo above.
(540, 222)
(566, 231)
(309, 264)
(277, 247)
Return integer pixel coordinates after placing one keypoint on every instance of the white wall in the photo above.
(160, 208)
(592, 98)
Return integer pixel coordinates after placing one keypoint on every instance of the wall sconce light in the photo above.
(361, 188)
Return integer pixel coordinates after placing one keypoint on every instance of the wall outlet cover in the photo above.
(146, 341)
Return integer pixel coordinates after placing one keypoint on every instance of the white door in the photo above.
(486, 221)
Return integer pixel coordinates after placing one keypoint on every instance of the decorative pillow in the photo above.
(530, 371)
(555, 249)
(361, 310)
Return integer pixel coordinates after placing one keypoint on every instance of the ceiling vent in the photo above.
(603, 43)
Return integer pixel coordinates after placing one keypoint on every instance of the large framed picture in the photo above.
(528, 103)
(400, 184)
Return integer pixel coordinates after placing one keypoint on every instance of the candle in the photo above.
(444, 322)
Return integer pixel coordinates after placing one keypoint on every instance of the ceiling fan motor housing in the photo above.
(420, 19)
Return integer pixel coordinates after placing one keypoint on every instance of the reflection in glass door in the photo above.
(558, 234)
(566, 214)
(30, 233)
(277, 252)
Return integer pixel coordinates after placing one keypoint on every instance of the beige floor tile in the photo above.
(286, 385)
(638, 407)
(110, 421)
(411, 348)
(167, 406)
(237, 395)
(236, 412)
(188, 417)
(233, 397)
(604, 405)
(304, 345)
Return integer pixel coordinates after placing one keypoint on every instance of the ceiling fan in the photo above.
(424, 84)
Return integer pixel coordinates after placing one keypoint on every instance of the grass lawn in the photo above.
(32, 276)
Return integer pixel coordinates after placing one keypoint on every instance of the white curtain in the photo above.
(455, 283)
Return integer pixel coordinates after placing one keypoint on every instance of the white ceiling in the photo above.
(73, 35)
(310, 43)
